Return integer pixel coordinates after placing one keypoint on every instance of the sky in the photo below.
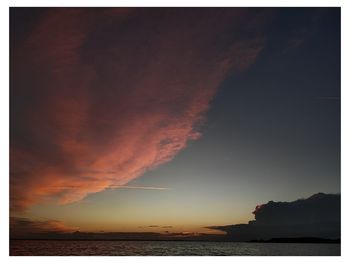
(170, 119)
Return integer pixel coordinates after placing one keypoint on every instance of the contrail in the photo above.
(138, 187)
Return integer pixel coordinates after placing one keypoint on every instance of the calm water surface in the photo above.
(166, 248)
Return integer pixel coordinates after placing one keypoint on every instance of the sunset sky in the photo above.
(170, 119)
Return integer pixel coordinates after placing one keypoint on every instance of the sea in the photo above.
(167, 248)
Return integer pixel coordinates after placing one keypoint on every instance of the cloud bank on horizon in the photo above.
(25, 228)
(99, 96)
(317, 216)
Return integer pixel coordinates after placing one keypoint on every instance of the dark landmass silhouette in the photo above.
(312, 220)
(298, 240)
(317, 216)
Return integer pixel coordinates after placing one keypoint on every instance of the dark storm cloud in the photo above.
(316, 216)
(99, 96)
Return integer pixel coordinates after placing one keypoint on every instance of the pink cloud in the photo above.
(101, 96)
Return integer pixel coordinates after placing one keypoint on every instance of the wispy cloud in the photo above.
(116, 91)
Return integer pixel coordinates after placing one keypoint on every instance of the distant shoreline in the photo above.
(272, 240)
(314, 240)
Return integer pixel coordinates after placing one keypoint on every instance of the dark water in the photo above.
(167, 248)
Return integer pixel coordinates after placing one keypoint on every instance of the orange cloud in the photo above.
(100, 96)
